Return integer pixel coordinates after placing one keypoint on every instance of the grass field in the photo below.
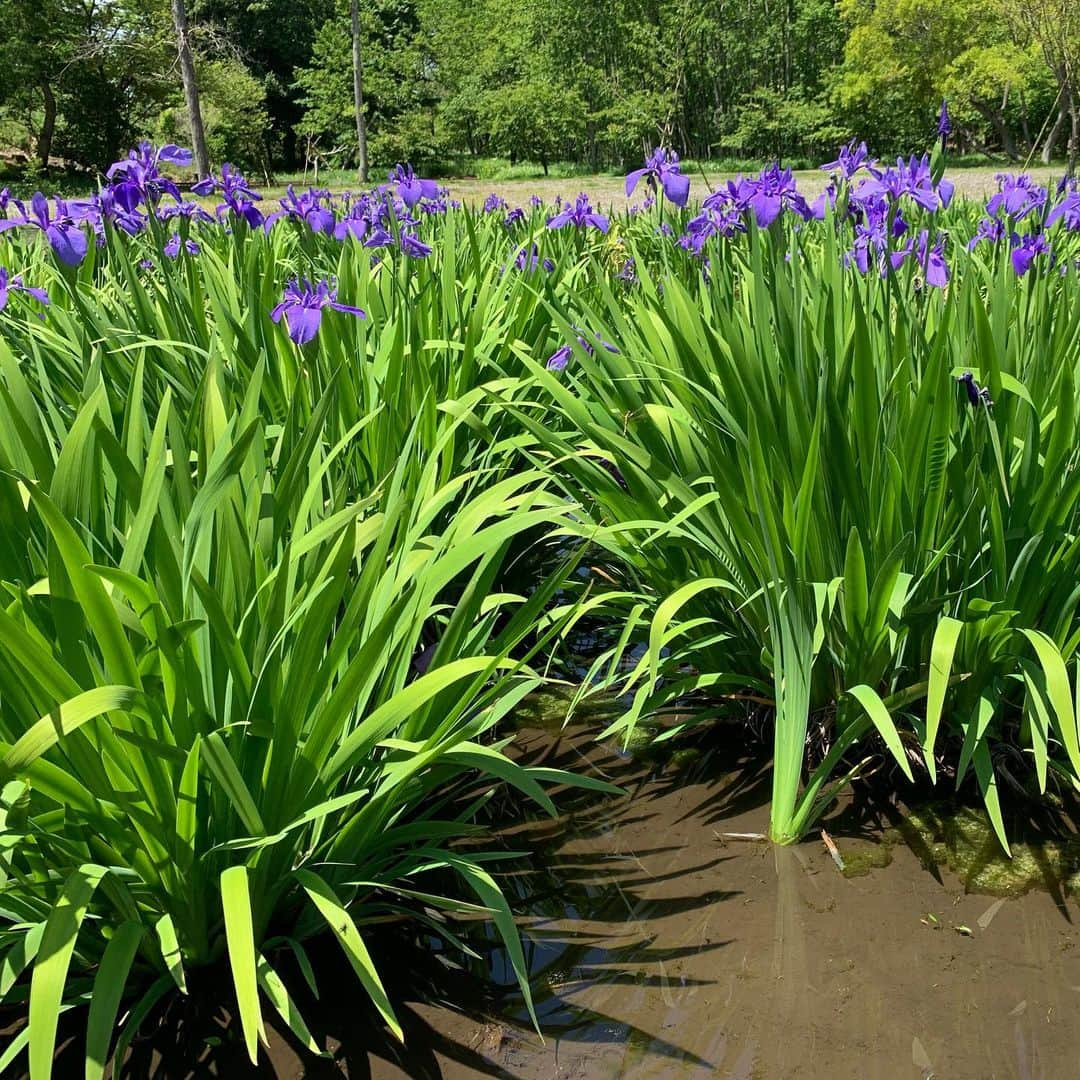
(975, 183)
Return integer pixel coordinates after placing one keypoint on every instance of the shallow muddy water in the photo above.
(661, 948)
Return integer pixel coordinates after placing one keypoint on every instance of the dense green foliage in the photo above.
(269, 601)
(584, 81)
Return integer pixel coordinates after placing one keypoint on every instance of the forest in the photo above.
(453, 84)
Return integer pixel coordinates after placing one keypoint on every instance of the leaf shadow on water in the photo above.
(591, 906)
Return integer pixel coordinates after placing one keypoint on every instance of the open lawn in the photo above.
(606, 190)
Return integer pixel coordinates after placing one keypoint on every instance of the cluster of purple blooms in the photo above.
(1018, 199)
(887, 210)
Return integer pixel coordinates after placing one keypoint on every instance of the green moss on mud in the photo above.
(860, 861)
(963, 839)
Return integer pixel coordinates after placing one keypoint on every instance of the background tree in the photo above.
(446, 83)
(358, 93)
(1054, 26)
(191, 87)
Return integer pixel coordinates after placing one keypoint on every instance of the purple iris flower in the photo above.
(302, 305)
(911, 178)
(237, 196)
(766, 195)
(356, 222)
(307, 208)
(1025, 249)
(66, 238)
(137, 178)
(535, 201)
(493, 203)
(410, 188)
(105, 207)
(1018, 196)
(850, 161)
(437, 206)
(9, 284)
(662, 169)
(515, 217)
(721, 218)
(189, 210)
(581, 214)
(174, 244)
(558, 360)
(989, 229)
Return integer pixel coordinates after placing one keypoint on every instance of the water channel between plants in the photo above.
(662, 945)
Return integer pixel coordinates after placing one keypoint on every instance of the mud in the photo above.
(662, 948)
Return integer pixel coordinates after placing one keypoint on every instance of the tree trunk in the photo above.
(996, 119)
(358, 96)
(191, 88)
(48, 126)
(1053, 135)
(1074, 133)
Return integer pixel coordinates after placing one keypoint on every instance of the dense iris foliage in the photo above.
(298, 507)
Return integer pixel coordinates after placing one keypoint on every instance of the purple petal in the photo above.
(676, 187)
(69, 243)
(937, 272)
(411, 192)
(354, 227)
(320, 220)
(360, 313)
(766, 208)
(303, 322)
(633, 179)
(174, 155)
(558, 359)
(40, 207)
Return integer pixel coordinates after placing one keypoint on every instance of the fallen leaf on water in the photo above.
(987, 916)
(919, 1057)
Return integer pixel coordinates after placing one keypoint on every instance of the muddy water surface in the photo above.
(660, 946)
